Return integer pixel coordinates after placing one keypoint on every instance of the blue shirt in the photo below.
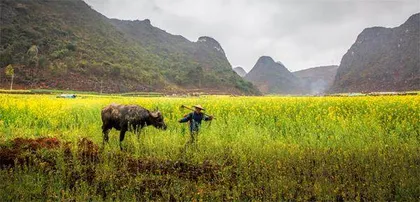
(195, 120)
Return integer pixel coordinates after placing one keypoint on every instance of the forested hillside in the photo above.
(68, 45)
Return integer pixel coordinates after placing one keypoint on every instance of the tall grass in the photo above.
(265, 148)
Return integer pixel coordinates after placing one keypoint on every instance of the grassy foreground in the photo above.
(258, 148)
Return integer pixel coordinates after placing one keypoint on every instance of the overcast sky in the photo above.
(299, 33)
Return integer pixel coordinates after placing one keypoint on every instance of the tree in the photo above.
(10, 72)
(33, 56)
(33, 59)
(33, 51)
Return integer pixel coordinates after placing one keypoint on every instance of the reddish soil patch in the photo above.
(36, 144)
(8, 157)
(22, 151)
(88, 152)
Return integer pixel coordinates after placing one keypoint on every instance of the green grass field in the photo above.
(258, 148)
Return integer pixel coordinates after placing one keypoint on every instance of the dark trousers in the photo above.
(193, 136)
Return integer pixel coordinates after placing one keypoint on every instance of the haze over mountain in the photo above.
(382, 59)
(78, 48)
(317, 80)
(240, 71)
(273, 78)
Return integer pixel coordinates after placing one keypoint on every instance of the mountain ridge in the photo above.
(240, 71)
(273, 77)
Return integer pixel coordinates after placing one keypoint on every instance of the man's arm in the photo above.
(186, 118)
(208, 118)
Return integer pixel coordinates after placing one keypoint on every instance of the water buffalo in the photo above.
(128, 117)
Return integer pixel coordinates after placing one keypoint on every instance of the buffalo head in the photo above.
(156, 119)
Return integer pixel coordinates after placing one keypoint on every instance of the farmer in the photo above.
(194, 119)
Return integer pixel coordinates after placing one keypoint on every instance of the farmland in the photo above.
(261, 148)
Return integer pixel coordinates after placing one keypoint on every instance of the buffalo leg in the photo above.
(138, 132)
(122, 135)
(105, 131)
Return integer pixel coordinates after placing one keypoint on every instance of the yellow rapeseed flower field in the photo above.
(263, 148)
